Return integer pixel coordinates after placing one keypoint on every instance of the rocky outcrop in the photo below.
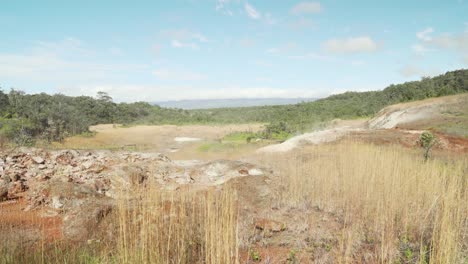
(81, 187)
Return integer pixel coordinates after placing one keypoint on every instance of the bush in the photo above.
(427, 141)
(277, 131)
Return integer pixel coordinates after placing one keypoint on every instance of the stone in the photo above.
(38, 160)
(255, 172)
(56, 202)
(15, 188)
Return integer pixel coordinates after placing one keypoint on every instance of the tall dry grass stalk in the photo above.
(180, 227)
(387, 196)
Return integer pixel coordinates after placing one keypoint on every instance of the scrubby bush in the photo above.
(427, 141)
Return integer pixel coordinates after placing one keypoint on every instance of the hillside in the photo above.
(27, 117)
(344, 106)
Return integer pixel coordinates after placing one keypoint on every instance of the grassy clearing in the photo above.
(407, 210)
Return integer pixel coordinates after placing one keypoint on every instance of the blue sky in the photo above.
(193, 49)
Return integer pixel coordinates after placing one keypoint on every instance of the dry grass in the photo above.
(178, 228)
(154, 138)
(405, 210)
(393, 207)
(150, 226)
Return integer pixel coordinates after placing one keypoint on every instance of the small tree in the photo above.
(427, 141)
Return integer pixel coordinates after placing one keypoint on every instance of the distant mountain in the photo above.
(219, 103)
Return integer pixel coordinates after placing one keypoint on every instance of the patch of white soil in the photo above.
(394, 116)
(186, 139)
(317, 137)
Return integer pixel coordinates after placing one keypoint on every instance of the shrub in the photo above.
(427, 141)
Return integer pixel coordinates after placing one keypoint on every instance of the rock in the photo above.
(65, 158)
(81, 220)
(88, 164)
(16, 188)
(38, 160)
(255, 172)
(3, 190)
(56, 202)
(269, 225)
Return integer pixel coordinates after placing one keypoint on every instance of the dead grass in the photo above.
(150, 138)
(178, 227)
(392, 206)
(405, 210)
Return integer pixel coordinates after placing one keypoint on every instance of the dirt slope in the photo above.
(447, 114)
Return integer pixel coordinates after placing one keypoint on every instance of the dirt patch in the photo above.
(409, 138)
(29, 226)
(315, 138)
(445, 114)
(163, 139)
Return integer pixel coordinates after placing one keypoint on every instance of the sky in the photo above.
(210, 49)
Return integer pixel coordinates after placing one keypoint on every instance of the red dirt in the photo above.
(13, 217)
(408, 139)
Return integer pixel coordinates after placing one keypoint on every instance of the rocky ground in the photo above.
(79, 188)
(68, 195)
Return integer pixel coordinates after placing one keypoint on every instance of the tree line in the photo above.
(28, 117)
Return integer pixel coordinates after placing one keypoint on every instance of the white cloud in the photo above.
(350, 45)
(311, 56)
(58, 62)
(425, 34)
(222, 6)
(184, 38)
(179, 44)
(420, 49)
(185, 35)
(272, 50)
(306, 8)
(153, 93)
(457, 43)
(413, 70)
(252, 12)
(167, 75)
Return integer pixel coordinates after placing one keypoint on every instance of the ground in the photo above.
(199, 160)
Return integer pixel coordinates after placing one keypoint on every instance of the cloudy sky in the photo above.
(193, 49)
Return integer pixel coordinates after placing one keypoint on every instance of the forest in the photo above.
(25, 118)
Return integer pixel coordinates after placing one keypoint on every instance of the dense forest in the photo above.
(27, 117)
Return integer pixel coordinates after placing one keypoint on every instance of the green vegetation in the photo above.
(25, 118)
(349, 105)
(427, 141)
